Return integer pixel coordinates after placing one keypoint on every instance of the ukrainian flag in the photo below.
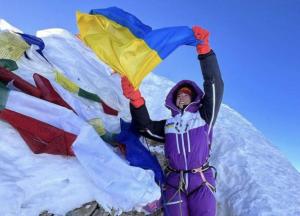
(126, 44)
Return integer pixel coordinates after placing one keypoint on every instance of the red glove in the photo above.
(133, 95)
(202, 34)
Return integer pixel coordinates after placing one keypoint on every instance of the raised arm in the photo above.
(213, 83)
(140, 116)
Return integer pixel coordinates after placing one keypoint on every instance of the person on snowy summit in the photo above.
(190, 183)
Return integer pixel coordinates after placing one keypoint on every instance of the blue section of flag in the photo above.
(164, 41)
(125, 19)
(136, 153)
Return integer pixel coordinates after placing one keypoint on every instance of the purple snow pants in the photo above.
(195, 201)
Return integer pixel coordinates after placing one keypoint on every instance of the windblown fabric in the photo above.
(8, 64)
(43, 88)
(38, 123)
(12, 46)
(126, 44)
(47, 125)
(74, 88)
(137, 154)
(87, 71)
(35, 61)
(33, 40)
(50, 128)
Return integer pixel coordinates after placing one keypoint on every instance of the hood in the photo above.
(193, 106)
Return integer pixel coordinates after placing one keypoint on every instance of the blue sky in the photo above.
(257, 44)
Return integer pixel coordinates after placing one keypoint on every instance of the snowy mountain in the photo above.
(254, 178)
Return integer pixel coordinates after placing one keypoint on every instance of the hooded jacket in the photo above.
(188, 133)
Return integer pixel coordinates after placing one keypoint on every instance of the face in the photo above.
(182, 100)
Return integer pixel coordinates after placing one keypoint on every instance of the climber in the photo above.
(190, 183)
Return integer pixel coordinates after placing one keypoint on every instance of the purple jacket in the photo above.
(188, 134)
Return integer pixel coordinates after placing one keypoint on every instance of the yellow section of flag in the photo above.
(117, 47)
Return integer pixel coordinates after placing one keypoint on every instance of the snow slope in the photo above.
(254, 178)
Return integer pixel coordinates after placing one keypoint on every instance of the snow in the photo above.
(30, 183)
(254, 178)
(6, 26)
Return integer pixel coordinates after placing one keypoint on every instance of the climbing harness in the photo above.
(181, 187)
